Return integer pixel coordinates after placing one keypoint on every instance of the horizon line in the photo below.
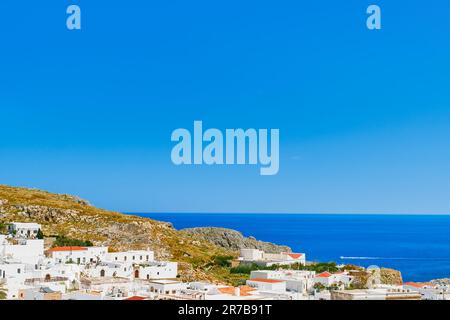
(292, 213)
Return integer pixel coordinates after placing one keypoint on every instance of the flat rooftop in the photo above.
(165, 281)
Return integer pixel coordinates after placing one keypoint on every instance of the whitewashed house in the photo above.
(429, 291)
(24, 230)
(157, 270)
(134, 256)
(296, 280)
(267, 284)
(327, 279)
(166, 287)
(24, 250)
(269, 259)
(39, 293)
(375, 294)
(109, 269)
(78, 255)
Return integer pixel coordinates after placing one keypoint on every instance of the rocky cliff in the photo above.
(368, 278)
(390, 276)
(233, 240)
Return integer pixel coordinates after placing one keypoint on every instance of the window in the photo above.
(147, 257)
(18, 270)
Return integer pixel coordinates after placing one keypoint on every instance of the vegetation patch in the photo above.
(62, 241)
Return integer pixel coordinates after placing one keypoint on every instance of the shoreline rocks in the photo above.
(234, 240)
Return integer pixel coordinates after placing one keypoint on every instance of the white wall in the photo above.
(166, 288)
(91, 254)
(251, 254)
(136, 256)
(271, 286)
(160, 270)
(27, 251)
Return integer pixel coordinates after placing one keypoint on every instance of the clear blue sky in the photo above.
(364, 116)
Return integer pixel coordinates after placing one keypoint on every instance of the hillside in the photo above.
(64, 215)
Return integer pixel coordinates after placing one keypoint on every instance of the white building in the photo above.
(78, 255)
(24, 230)
(208, 291)
(23, 250)
(132, 265)
(109, 269)
(270, 259)
(327, 279)
(157, 270)
(296, 280)
(267, 284)
(113, 287)
(429, 291)
(39, 293)
(134, 256)
(251, 255)
(166, 287)
(375, 294)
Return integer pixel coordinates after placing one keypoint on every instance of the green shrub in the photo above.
(62, 241)
(223, 261)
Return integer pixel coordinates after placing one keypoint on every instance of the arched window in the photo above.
(136, 274)
(102, 273)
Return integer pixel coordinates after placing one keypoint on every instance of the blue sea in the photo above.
(417, 245)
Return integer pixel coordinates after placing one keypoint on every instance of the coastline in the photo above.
(400, 242)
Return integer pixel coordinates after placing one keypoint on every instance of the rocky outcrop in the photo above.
(234, 240)
(369, 278)
(390, 276)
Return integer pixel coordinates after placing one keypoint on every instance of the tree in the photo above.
(40, 234)
(3, 228)
(319, 287)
